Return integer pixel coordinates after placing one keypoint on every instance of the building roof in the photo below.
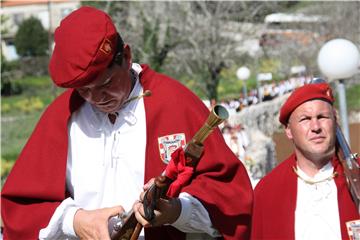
(291, 18)
(12, 3)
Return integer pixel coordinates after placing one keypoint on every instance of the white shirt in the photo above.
(317, 212)
(105, 167)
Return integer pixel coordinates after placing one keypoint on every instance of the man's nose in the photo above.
(315, 125)
(97, 96)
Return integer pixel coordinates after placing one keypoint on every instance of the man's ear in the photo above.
(288, 132)
(127, 56)
(336, 115)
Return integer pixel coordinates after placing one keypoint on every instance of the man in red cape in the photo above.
(306, 196)
(52, 184)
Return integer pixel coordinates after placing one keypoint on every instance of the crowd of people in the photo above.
(97, 148)
(266, 92)
(236, 137)
(238, 140)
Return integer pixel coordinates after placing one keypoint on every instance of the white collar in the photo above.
(325, 172)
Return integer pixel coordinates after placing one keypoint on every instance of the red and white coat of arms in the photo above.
(169, 143)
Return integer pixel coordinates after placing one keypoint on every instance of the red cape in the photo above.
(36, 184)
(275, 202)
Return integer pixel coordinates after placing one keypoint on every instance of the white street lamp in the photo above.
(339, 59)
(243, 74)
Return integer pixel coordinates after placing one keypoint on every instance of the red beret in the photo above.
(85, 43)
(302, 94)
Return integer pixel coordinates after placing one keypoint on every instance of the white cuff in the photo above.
(68, 223)
(61, 222)
(194, 218)
(185, 213)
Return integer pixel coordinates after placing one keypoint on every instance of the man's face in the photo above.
(110, 89)
(312, 127)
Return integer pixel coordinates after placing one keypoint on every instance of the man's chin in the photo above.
(110, 108)
(321, 155)
(106, 109)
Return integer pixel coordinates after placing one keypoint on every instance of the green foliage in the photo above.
(31, 38)
(150, 36)
(231, 87)
(19, 115)
(5, 107)
(269, 65)
(23, 104)
(95, 4)
(16, 130)
(33, 84)
(194, 85)
(153, 51)
(7, 66)
(5, 167)
(29, 105)
(30, 86)
(3, 20)
(273, 66)
(8, 86)
(37, 92)
(352, 98)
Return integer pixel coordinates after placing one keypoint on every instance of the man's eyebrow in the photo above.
(325, 112)
(306, 114)
(106, 81)
(301, 116)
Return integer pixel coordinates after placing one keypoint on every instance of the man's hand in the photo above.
(167, 211)
(93, 224)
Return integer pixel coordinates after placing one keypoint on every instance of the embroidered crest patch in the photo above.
(106, 46)
(169, 143)
(329, 93)
(353, 228)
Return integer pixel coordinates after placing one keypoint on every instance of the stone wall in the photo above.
(263, 116)
(260, 121)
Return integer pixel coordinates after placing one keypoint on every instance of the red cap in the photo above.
(85, 43)
(303, 94)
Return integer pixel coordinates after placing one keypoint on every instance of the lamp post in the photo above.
(243, 74)
(339, 59)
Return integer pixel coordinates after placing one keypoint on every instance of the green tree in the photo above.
(153, 50)
(31, 38)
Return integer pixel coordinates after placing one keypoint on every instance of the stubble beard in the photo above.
(319, 158)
